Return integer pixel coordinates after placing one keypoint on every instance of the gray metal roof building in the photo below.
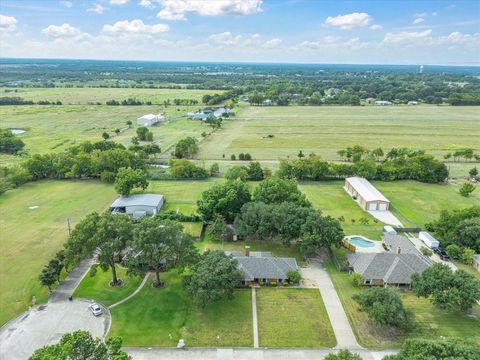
(138, 205)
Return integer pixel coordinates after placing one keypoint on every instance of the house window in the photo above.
(367, 282)
(280, 280)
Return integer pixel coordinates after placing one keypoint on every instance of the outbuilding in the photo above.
(383, 103)
(369, 198)
(150, 119)
(138, 206)
(428, 240)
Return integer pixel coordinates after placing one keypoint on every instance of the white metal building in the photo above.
(428, 240)
(150, 119)
(138, 205)
(366, 194)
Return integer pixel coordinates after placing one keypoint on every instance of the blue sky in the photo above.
(390, 32)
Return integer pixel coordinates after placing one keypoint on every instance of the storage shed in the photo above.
(366, 194)
(150, 119)
(428, 240)
(138, 205)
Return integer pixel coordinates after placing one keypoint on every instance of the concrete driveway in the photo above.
(46, 324)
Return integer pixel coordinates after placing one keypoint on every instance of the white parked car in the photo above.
(95, 309)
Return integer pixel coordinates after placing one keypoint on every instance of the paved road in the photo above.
(242, 354)
(46, 324)
(341, 327)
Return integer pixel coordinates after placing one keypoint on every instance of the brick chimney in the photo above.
(398, 250)
(247, 250)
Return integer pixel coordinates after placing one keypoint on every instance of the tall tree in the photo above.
(160, 245)
(127, 179)
(320, 232)
(80, 345)
(214, 277)
(276, 191)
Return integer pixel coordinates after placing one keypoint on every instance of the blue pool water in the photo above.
(360, 242)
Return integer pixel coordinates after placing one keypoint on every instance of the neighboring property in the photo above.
(369, 198)
(150, 119)
(231, 233)
(383, 103)
(476, 262)
(261, 266)
(208, 113)
(386, 268)
(138, 206)
(412, 103)
(428, 240)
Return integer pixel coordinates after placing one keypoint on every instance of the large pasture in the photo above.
(325, 130)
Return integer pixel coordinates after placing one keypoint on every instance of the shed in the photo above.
(428, 240)
(150, 119)
(138, 205)
(366, 194)
(383, 103)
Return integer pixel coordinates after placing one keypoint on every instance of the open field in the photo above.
(30, 237)
(416, 203)
(55, 128)
(76, 96)
(97, 287)
(293, 318)
(160, 317)
(429, 322)
(331, 198)
(325, 130)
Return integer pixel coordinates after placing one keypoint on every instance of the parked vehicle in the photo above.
(428, 240)
(442, 254)
(95, 309)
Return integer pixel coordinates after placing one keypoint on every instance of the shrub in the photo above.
(454, 251)
(233, 157)
(426, 251)
(468, 256)
(357, 280)
(294, 277)
(273, 283)
(466, 189)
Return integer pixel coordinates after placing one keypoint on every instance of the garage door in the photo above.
(382, 206)
(372, 206)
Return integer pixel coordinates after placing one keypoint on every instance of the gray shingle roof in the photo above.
(261, 265)
(138, 200)
(398, 241)
(392, 268)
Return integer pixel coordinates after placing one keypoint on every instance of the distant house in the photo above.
(209, 113)
(138, 206)
(263, 267)
(383, 103)
(476, 262)
(366, 194)
(387, 268)
(244, 98)
(150, 119)
(412, 103)
(332, 92)
(268, 102)
(370, 100)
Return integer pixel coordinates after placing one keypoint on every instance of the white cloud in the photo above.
(418, 21)
(62, 31)
(376, 27)
(99, 9)
(118, 2)
(177, 9)
(7, 23)
(226, 38)
(457, 38)
(146, 4)
(134, 27)
(434, 13)
(421, 15)
(407, 37)
(273, 43)
(67, 4)
(349, 21)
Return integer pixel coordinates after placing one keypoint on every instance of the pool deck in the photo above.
(377, 248)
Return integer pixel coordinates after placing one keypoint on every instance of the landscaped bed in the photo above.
(98, 287)
(293, 318)
(429, 322)
(160, 317)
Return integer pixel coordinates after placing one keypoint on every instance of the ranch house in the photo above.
(369, 198)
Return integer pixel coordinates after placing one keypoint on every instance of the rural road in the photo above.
(46, 324)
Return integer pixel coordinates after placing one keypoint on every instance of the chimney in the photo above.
(247, 250)
(398, 250)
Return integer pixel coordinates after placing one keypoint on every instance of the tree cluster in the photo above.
(186, 148)
(9, 143)
(450, 349)
(252, 172)
(143, 134)
(15, 100)
(50, 274)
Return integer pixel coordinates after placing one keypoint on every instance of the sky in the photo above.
(295, 31)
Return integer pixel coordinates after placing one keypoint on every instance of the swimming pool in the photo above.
(360, 242)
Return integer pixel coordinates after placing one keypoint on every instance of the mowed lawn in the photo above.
(325, 130)
(417, 203)
(293, 318)
(429, 322)
(160, 317)
(98, 287)
(333, 200)
(29, 238)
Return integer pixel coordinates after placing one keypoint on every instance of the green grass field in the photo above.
(429, 322)
(97, 287)
(293, 318)
(160, 317)
(29, 238)
(325, 130)
(87, 95)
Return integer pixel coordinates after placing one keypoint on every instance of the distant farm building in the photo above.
(138, 206)
(150, 119)
(383, 103)
(369, 198)
(412, 103)
(208, 113)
